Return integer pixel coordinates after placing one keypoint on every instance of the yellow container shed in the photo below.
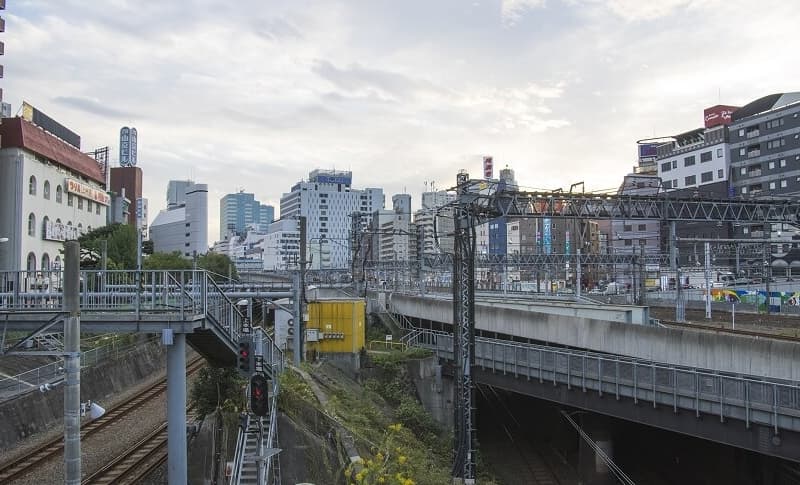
(335, 326)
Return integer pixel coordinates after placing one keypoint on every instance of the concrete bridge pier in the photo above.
(176, 407)
(592, 469)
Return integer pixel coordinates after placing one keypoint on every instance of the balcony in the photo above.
(754, 153)
(753, 133)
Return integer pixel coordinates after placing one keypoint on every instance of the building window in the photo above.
(775, 123)
(31, 262)
(80, 203)
(45, 262)
(627, 227)
(46, 190)
(31, 224)
(629, 242)
(743, 171)
(783, 184)
(782, 162)
(772, 185)
(32, 185)
(45, 221)
(70, 200)
(719, 152)
(97, 209)
(59, 194)
(771, 165)
(642, 227)
(720, 173)
(666, 167)
(744, 190)
(705, 157)
(674, 183)
(57, 263)
(88, 206)
(688, 161)
(690, 180)
(667, 184)
(706, 176)
(741, 132)
(674, 164)
(776, 143)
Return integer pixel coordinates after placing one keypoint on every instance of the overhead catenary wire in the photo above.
(615, 470)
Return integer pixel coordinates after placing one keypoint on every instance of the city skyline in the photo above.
(418, 90)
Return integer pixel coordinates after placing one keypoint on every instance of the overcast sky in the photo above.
(254, 94)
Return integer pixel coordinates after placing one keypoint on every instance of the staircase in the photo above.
(249, 474)
(54, 342)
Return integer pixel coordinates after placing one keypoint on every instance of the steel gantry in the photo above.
(478, 201)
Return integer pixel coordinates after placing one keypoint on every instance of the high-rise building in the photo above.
(128, 140)
(176, 193)
(50, 192)
(699, 157)
(401, 204)
(185, 228)
(240, 210)
(433, 218)
(765, 146)
(328, 201)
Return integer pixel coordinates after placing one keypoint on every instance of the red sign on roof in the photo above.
(718, 115)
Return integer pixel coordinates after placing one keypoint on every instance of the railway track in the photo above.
(55, 446)
(137, 462)
(719, 329)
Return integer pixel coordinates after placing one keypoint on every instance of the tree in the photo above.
(171, 261)
(121, 245)
(217, 387)
(218, 264)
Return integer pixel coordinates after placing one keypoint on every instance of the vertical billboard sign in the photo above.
(125, 147)
(488, 167)
(547, 236)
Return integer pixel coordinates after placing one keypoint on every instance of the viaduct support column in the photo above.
(176, 410)
(592, 468)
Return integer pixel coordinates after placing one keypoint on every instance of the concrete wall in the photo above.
(728, 353)
(435, 392)
(35, 411)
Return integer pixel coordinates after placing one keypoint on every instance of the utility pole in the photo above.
(680, 308)
(642, 274)
(708, 279)
(300, 328)
(578, 272)
(464, 439)
(72, 364)
(767, 273)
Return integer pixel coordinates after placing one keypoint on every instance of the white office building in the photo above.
(50, 192)
(183, 229)
(432, 203)
(328, 201)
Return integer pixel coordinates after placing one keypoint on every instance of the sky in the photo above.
(254, 94)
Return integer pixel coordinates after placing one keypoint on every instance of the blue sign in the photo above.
(548, 240)
(334, 179)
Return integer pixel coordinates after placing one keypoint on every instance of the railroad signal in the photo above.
(259, 395)
(246, 357)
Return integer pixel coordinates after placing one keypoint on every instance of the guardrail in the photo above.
(770, 402)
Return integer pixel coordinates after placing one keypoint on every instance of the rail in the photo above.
(771, 402)
(15, 468)
(54, 371)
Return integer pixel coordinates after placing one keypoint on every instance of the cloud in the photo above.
(513, 10)
(93, 106)
(255, 95)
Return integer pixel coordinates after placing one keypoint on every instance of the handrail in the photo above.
(238, 456)
(88, 357)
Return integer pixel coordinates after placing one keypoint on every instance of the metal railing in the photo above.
(32, 379)
(769, 402)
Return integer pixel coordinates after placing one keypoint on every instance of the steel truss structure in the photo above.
(478, 201)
